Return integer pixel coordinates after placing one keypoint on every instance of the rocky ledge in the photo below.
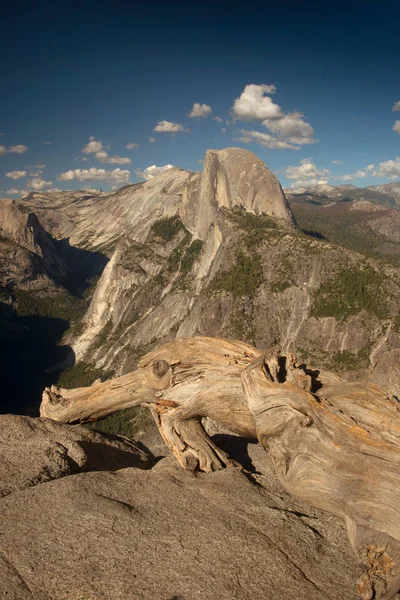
(89, 516)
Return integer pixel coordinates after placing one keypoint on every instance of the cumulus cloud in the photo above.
(96, 147)
(396, 106)
(388, 168)
(291, 128)
(396, 126)
(47, 143)
(12, 192)
(265, 139)
(255, 104)
(38, 170)
(200, 110)
(169, 127)
(93, 174)
(16, 174)
(356, 175)
(218, 119)
(18, 149)
(92, 146)
(337, 162)
(153, 171)
(223, 130)
(152, 140)
(131, 146)
(104, 157)
(307, 174)
(38, 184)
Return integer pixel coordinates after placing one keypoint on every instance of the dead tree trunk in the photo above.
(338, 450)
(334, 444)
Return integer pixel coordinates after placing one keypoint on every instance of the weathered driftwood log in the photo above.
(180, 382)
(334, 444)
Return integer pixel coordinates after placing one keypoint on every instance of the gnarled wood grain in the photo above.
(334, 444)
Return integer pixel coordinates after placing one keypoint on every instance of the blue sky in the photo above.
(309, 87)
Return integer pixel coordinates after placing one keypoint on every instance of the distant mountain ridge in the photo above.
(219, 253)
(386, 194)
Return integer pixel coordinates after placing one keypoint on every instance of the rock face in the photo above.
(164, 533)
(217, 253)
(232, 178)
(34, 451)
(27, 251)
(141, 296)
(42, 282)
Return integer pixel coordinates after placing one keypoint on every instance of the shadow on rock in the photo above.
(237, 448)
(103, 457)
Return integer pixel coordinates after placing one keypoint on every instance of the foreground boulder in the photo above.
(33, 451)
(166, 533)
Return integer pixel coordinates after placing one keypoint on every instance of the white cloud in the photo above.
(93, 174)
(153, 171)
(307, 174)
(356, 175)
(1, 134)
(337, 162)
(388, 168)
(223, 130)
(131, 146)
(12, 192)
(200, 110)
(169, 127)
(92, 146)
(152, 140)
(38, 184)
(104, 157)
(16, 174)
(291, 128)
(47, 143)
(396, 126)
(396, 106)
(265, 139)
(96, 147)
(254, 104)
(218, 119)
(18, 149)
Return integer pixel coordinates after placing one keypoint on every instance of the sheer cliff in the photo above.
(219, 253)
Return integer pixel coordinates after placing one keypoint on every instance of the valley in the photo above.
(99, 280)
